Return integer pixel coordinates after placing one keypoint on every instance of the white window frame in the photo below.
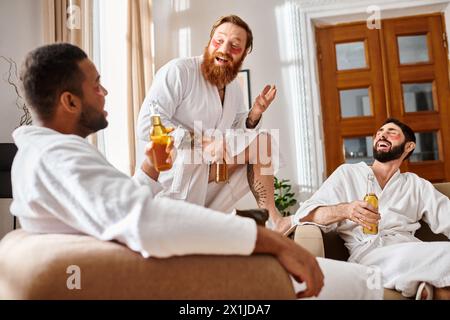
(109, 55)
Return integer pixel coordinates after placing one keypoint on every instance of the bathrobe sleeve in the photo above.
(141, 178)
(85, 192)
(331, 193)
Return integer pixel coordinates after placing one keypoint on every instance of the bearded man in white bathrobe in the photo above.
(415, 268)
(63, 184)
(204, 90)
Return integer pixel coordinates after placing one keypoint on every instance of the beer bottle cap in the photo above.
(156, 119)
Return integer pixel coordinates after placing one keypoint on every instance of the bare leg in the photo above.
(260, 177)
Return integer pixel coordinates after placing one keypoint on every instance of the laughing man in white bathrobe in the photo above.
(415, 268)
(63, 184)
(205, 90)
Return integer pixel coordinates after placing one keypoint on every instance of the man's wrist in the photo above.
(252, 120)
(150, 171)
(341, 211)
(268, 241)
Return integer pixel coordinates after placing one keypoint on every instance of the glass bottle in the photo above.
(371, 198)
(221, 172)
(160, 139)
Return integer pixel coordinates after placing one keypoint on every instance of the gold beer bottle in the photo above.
(221, 172)
(371, 198)
(160, 139)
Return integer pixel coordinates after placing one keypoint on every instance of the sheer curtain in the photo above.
(72, 21)
(69, 21)
(140, 65)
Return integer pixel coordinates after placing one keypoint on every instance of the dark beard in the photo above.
(220, 76)
(393, 154)
(91, 119)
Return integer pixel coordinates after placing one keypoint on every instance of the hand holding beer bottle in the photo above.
(363, 212)
(372, 199)
(161, 145)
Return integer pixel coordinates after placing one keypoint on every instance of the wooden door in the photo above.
(369, 75)
(418, 89)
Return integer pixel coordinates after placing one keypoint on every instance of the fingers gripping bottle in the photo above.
(371, 198)
(160, 139)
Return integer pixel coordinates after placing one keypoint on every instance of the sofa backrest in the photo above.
(443, 188)
(335, 248)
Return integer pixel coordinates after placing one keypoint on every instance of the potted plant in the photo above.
(284, 196)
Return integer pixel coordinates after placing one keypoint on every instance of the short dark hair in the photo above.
(236, 21)
(49, 71)
(407, 131)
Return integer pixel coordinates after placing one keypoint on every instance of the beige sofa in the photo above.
(330, 245)
(37, 266)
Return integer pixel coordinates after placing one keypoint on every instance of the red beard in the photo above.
(220, 76)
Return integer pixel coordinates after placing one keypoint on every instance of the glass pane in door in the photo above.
(355, 103)
(358, 149)
(413, 49)
(351, 55)
(426, 147)
(418, 97)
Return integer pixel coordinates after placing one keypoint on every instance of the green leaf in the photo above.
(290, 195)
(284, 197)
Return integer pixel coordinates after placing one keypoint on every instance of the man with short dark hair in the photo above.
(205, 90)
(408, 265)
(62, 184)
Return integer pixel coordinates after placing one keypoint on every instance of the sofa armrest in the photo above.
(310, 238)
(35, 266)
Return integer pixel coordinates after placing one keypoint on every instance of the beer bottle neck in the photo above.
(156, 121)
(370, 184)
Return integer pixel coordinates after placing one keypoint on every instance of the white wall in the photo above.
(20, 31)
(265, 62)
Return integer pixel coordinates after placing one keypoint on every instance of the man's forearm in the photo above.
(327, 215)
(267, 242)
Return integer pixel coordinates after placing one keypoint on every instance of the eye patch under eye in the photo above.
(236, 50)
(215, 43)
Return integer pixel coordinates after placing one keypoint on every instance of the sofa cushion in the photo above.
(35, 267)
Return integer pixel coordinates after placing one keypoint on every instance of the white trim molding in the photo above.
(305, 15)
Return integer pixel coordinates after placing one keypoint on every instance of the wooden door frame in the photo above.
(331, 12)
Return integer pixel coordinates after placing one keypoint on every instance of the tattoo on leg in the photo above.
(258, 189)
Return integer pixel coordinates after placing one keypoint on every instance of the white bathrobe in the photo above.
(404, 201)
(181, 96)
(62, 184)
